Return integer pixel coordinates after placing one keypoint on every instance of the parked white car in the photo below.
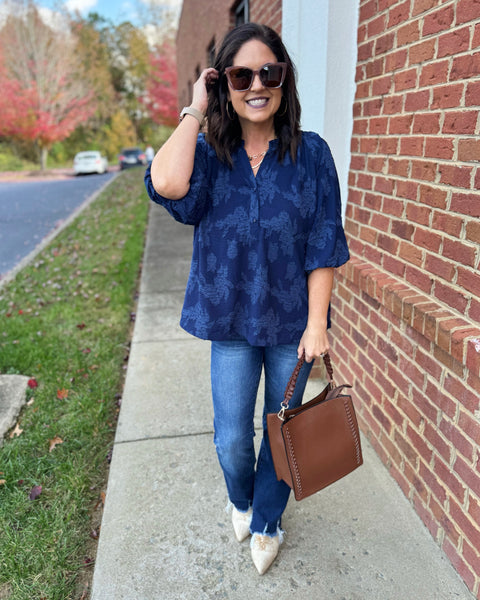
(90, 162)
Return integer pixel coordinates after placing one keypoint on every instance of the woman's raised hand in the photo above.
(200, 89)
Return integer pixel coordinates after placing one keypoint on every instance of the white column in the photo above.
(305, 34)
(321, 36)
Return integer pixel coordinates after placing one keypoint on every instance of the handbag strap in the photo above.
(292, 382)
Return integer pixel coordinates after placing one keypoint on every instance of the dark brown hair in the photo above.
(224, 133)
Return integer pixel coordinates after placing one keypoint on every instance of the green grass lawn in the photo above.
(66, 321)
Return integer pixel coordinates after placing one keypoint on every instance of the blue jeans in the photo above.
(235, 371)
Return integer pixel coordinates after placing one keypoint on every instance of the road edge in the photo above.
(10, 275)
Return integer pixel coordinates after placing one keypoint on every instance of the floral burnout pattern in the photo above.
(256, 239)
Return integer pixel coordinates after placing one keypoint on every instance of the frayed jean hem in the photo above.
(280, 533)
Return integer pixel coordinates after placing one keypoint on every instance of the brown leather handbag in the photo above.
(317, 443)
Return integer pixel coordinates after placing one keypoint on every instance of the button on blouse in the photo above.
(256, 239)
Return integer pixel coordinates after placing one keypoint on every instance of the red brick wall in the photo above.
(407, 306)
(201, 22)
(267, 12)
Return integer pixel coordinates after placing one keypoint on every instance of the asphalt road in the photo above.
(31, 210)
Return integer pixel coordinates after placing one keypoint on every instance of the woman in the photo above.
(264, 199)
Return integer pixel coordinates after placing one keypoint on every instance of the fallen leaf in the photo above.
(100, 501)
(3, 481)
(16, 432)
(35, 492)
(56, 440)
(31, 401)
(84, 595)
(62, 394)
(32, 383)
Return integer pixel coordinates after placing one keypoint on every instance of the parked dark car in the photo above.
(131, 157)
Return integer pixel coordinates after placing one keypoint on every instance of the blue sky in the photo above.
(115, 10)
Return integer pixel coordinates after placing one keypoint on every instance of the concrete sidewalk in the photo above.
(165, 533)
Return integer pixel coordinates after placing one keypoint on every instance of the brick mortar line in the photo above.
(402, 178)
(419, 203)
(444, 83)
(377, 275)
(406, 113)
(429, 379)
(407, 47)
(411, 17)
(471, 25)
(426, 254)
(449, 492)
(444, 505)
(432, 299)
(418, 67)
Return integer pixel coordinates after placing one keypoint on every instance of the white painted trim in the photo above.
(321, 37)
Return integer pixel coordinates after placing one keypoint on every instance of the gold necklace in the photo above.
(251, 157)
(259, 163)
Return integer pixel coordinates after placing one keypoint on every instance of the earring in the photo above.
(228, 113)
(282, 114)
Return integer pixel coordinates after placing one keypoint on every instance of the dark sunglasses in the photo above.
(271, 75)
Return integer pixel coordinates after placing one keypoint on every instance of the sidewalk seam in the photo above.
(164, 437)
(170, 437)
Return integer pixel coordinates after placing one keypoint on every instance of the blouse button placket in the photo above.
(254, 204)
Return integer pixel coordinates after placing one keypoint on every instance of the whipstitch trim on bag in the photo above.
(353, 429)
(295, 465)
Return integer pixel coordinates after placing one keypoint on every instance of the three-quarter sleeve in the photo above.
(189, 209)
(326, 243)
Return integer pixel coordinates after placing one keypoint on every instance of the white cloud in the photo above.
(3, 14)
(128, 11)
(52, 19)
(167, 3)
(80, 5)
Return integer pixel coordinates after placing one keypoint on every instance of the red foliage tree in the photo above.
(161, 94)
(44, 96)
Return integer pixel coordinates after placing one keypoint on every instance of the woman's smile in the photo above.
(257, 102)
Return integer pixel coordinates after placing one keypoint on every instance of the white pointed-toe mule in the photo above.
(241, 523)
(264, 551)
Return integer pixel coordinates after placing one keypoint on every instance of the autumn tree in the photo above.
(129, 68)
(118, 133)
(44, 89)
(95, 57)
(160, 99)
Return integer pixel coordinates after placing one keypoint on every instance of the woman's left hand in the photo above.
(313, 343)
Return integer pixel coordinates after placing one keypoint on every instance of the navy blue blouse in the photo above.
(256, 239)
